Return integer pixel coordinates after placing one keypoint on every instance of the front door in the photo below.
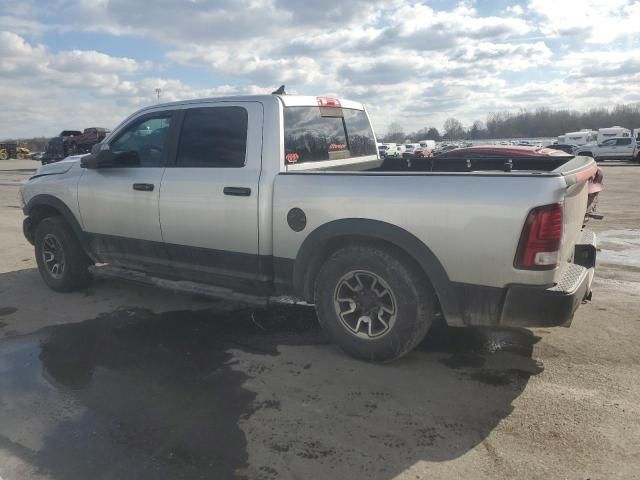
(607, 149)
(119, 204)
(209, 197)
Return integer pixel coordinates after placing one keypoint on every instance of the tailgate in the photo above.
(578, 175)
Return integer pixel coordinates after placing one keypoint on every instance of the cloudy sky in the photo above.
(74, 64)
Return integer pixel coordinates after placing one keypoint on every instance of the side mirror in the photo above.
(98, 159)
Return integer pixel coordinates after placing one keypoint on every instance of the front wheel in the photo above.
(62, 262)
(374, 303)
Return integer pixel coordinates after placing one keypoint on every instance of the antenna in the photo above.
(158, 92)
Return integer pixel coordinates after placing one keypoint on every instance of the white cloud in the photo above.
(409, 62)
(594, 21)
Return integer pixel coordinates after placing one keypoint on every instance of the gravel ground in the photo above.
(122, 381)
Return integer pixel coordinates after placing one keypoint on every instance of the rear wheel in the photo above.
(61, 260)
(373, 303)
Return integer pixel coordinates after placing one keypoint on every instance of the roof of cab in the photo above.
(287, 101)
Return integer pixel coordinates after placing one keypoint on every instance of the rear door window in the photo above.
(623, 141)
(213, 137)
(314, 134)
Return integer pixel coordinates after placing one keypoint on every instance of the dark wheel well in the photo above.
(40, 212)
(335, 243)
(586, 154)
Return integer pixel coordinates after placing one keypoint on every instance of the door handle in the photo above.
(143, 187)
(237, 191)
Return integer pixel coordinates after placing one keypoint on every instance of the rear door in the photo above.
(626, 147)
(209, 196)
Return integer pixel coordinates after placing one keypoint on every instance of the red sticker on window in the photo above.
(337, 146)
(292, 157)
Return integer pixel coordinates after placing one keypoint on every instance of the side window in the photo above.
(623, 141)
(144, 142)
(609, 142)
(213, 137)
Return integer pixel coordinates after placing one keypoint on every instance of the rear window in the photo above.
(312, 134)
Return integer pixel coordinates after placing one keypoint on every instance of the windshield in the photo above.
(312, 134)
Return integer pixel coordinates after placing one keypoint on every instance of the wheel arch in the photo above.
(43, 206)
(327, 238)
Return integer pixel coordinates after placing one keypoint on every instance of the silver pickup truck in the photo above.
(278, 195)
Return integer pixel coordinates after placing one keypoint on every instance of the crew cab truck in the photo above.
(617, 148)
(262, 196)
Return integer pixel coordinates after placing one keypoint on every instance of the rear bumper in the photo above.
(528, 306)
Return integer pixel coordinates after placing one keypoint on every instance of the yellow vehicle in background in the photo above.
(12, 150)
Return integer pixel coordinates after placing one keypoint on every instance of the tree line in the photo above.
(543, 122)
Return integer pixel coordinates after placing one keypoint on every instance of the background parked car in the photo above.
(389, 150)
(565, 147)
(409, 149)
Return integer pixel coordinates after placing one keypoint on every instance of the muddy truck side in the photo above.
(251, 198)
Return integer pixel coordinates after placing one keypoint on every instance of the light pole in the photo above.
(158, 92)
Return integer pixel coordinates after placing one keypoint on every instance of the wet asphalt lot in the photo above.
(121, 381)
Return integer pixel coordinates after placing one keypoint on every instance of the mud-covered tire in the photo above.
(412, 294)
(53, 234)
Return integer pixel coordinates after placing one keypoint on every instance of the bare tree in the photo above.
(395, 133)
(453, 129)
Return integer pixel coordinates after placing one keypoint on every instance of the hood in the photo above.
(57, 168)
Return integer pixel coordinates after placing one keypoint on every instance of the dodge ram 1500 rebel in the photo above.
(263, 196)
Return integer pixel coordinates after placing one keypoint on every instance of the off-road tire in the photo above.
(414, 301)
(75, 274)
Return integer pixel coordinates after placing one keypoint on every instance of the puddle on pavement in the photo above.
(497, 356)
(134, 391)
(620, 247)
(138, 394)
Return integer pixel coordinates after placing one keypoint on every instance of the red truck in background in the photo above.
(82, 143)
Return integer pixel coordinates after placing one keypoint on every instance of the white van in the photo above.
(612, 132)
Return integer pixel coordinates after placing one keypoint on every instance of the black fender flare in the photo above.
(57, 204)
(383, 231)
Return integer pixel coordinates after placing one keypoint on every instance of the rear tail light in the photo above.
(541, 238)
(328, 102)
